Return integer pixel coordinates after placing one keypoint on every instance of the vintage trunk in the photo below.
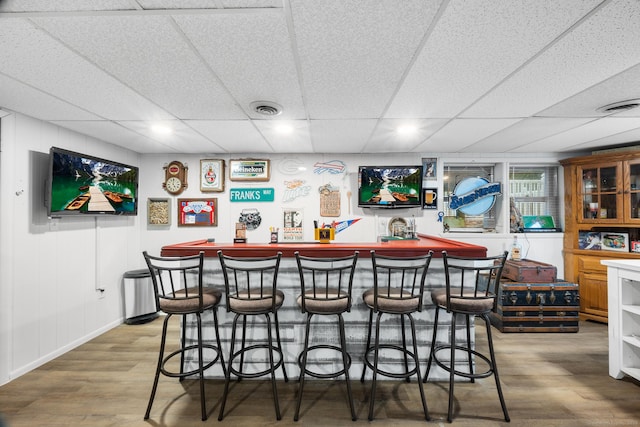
(537, 307)
(529, 271)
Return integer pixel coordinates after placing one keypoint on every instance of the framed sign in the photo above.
(198, 212)
(430, 167)
(211, 175)
(249, 170)
(158, 211)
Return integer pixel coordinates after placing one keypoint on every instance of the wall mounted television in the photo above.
(80, 184)
(390, 186)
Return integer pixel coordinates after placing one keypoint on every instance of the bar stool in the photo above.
(326, 291)
(250, 285)
(398, 287)
(178, 287)
(471, 286)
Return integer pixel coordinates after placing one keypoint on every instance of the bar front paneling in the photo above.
(292, 320)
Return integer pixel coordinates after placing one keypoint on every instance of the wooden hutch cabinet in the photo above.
(602, 195)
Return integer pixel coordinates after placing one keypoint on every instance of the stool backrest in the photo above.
(399, 278)
(251, 278)
(326, 279)
(469, 278)
(176, 279)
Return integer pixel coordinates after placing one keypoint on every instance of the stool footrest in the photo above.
(244, 350)
(178, 352)
(316, 374)
(401, 349)
(471, 375)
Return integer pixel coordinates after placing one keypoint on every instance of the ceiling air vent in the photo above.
(617, 107)
(266, 108)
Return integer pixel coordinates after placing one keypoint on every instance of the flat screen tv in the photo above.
(390, 186)
(80, 184)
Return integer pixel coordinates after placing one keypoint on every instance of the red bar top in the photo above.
(424, 244)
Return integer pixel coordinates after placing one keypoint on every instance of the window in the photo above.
(455, 219)
(534, 190)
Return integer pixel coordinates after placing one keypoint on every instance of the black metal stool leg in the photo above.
(228, 374)
(345, 363)
(284, 372)
(242, 345)
(452, 366)
(494, 367)
(200, 367)
(468, 320)
(375, 367)
(417, 362)
(183, 340)
(433, 344)
(218, 341)
(404, 345)
(273, 369)
(163, 339)
(303, 366)
(366, 348)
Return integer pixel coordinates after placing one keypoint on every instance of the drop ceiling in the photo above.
(488, 76)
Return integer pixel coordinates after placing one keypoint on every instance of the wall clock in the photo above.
(175, 177)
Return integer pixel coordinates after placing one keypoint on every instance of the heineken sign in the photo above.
(252, 194)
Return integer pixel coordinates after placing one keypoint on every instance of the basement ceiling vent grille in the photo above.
(619, 106)
(266, 108)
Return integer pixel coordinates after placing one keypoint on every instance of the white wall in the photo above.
(50, 269)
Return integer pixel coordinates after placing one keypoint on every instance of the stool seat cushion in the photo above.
(181, 304)
(325, 301)
(470, 304)
(391, 302)
(252, 302)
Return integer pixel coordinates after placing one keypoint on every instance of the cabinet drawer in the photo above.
(591, 265)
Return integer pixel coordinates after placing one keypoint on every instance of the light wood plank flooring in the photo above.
(548, 380)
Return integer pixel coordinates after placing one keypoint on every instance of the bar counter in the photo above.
(292, 321)
(419, 246)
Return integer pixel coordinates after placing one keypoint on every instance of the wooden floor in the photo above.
(548, 380)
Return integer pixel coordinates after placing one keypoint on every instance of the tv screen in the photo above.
(82, 184)
(390, 186)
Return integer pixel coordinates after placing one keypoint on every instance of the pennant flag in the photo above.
(341, 225)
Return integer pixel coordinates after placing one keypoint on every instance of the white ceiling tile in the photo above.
(623, 138)
(585, 103)
(474, 46)
(341, 136)
(233, 136)
(525, 133)
(63, 5)
(115, 134)
(578, 138)
(459, 134)
(34, 58)
(28, 100)
(146, 53)
(182, 138)
(603, 45)
(386, 137)
(352, 61)
(296, 141)
(179, 4)
(251, 53)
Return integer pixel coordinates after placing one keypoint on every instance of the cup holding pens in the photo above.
(325, 235)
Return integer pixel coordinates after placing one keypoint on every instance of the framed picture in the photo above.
(249, 170)
(158, 211)
(611, 241)
(211, 175)
(430, 168)
(430, 198)
(589, 240)
(198, 212)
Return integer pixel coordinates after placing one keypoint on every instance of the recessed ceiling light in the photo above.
(159, 129)
(617, 107)
(266, 108)
(406, 130)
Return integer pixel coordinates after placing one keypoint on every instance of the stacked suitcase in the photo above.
(531, 299)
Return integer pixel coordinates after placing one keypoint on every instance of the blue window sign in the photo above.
(252, 194)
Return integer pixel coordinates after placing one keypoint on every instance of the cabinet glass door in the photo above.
(600, 196)
(632, 189)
